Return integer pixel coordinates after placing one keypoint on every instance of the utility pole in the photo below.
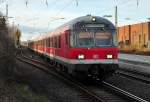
(6, 10)
(116, 21)
(116, 17)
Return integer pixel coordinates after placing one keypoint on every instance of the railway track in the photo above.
(85, 92)
(124, 93)
(93, 96)
(134, 75)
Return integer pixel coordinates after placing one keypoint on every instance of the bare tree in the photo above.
(7, 47)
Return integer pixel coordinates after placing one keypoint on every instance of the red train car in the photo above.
(84, 45)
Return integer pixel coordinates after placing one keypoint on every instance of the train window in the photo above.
(66, 38)
(86, 39)
(52, 42)
(42, 42)
(55, 42)
(73, 39)
(67, 32)
(103, 38)
(58, 41)
(49, 42)
(45, 43)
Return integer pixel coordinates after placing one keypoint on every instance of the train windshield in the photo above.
(86, 39)
(103, 39)
(95, 39)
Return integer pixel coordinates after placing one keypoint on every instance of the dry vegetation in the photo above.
(7, 47)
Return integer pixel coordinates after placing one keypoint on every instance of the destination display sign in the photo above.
(94, 25)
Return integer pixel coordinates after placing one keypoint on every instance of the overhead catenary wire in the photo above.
(46, 2)
(119, 4)
(137, 3)
(26, 3)
(2, 1)
(64, 7)
(76, 2)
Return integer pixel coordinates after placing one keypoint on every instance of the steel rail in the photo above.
(133, 97)
(134, 75)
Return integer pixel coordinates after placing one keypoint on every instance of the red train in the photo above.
(85, 45)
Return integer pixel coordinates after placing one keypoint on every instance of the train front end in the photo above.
(93, 49)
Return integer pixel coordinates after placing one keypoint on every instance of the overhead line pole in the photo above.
(116, 17)
(6, 10)
(116, 21)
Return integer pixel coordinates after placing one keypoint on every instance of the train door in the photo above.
(45, 46)
(67, 40)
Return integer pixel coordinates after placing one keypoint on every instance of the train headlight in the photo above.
(80, 56)
(93, 19)
(109, 56)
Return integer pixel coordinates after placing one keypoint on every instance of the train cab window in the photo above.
(85, 39)
(103, 39)
(72, 40)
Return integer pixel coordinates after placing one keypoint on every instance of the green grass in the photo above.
(28, 95)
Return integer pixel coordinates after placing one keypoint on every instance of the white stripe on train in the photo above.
(77, 61)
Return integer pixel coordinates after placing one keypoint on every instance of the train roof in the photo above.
(88, 19)
(70, 24)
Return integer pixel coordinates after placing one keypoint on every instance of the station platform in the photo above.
(139, 63)
(133, 57)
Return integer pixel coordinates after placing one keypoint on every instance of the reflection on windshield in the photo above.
(89, 39)
(102, 39)
(86, 39)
